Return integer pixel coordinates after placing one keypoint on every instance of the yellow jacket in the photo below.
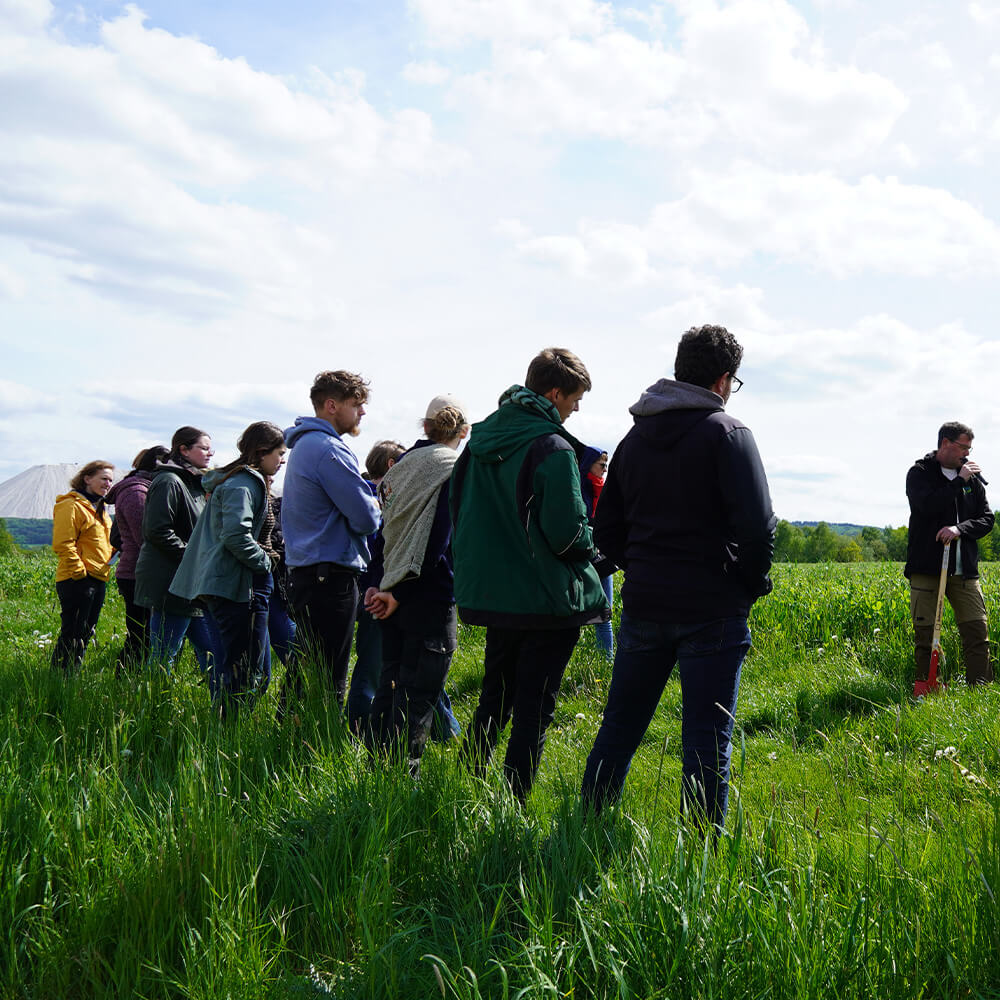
(81, 539)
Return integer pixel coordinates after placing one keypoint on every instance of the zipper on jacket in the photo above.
(573, 542)
(527, 526)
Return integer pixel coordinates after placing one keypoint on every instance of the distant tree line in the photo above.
(29, 531)
(800, 543)
(820, 543)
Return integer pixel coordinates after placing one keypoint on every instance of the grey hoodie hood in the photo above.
(668, 410)
(668, 394)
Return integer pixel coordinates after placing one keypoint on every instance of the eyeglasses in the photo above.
(737, 383)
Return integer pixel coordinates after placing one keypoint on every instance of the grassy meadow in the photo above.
(149, 850)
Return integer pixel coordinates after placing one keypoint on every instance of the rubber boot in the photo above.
(976, 650)
(923, 636)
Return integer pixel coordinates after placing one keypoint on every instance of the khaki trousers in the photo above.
(966, 600)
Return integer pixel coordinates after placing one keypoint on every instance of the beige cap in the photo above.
(438, 403)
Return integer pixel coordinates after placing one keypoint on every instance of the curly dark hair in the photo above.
(338, 385)
(706, 352)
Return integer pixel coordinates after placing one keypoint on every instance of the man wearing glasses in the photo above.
(686, 512)
(948, 504)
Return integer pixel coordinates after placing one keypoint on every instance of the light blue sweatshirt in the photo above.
(327, 510)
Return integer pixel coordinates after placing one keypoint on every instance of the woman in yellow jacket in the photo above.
(81, 538)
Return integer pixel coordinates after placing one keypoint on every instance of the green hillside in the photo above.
(30, 531)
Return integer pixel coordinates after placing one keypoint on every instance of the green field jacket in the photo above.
(521, 541)
(223, 554)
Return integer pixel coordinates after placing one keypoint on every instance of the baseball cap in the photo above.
(438, 403)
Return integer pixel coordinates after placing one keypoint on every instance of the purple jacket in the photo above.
(129, 498)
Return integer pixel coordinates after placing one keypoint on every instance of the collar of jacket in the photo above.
(531, 400)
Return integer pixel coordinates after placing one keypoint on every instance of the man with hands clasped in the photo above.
(948, 503)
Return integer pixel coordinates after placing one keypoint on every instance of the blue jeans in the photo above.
(710, 656)
(280, 631)
(167, 633)
(446, 726)
(603, 630)
(367, 669)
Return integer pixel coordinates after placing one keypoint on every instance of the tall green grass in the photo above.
(149, 850)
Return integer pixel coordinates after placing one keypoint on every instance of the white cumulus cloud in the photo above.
(750, 74)
(138, 166)
(25, 15)
(877, 225)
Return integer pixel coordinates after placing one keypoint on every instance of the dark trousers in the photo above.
(241, 632)
(710, 656)
(365, 678)
(522, 673)
(80, 603)
(135, 652)
(324, 601)
(418, 642)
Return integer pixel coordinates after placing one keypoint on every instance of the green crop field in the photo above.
(149, 850)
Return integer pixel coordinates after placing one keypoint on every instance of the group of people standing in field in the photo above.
(195, 550)
(518, 531)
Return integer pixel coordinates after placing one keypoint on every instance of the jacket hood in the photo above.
(137, 480)
(305, 425)
(177, 468)
(667, 410)
(670, 395)
(522, 416)
(74, 496)
(71, 495)
(588, 456)
(214, 477)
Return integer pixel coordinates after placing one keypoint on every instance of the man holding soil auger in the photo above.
(948, 507)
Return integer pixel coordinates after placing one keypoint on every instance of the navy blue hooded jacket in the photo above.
(686, 511)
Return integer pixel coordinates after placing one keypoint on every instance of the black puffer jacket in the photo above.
(937, 502)
(686, 510)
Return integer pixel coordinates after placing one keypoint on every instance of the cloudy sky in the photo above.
(202, 205)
